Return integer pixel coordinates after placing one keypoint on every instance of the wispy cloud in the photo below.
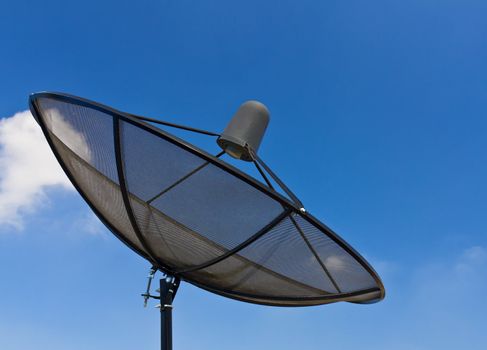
(90, 224)
(27, 169)
(455, 277)
(471, 259)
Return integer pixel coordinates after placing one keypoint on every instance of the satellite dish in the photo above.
(195, 217)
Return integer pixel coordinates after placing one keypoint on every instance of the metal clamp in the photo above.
(147, 294)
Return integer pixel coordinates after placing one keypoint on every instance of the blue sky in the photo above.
(378, 124)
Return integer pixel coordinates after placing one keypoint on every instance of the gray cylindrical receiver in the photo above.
(247, 127)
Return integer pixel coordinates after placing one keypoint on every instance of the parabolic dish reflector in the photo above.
(196, 217)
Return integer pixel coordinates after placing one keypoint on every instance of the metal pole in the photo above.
(168, 288)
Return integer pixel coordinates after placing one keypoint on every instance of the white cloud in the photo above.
(27, 168)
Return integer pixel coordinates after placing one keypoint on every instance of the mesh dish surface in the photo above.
(194, 216)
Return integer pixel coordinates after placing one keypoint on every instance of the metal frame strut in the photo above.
(177, 126)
